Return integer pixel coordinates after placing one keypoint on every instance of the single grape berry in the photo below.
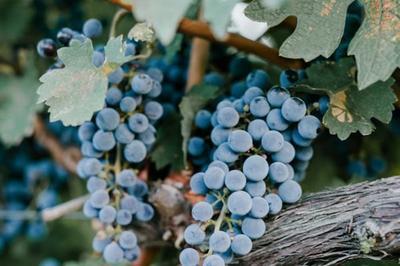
(46, 48)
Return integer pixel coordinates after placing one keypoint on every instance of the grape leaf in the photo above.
(164, 20)
(76, 91)
(218, 14)
(350, 109)
(320, 25)
(167, 150)
(173, 48)
(376, 45)
(193, 101)
(18, 105)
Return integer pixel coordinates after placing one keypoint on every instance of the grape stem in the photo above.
(117, 17)
(218, 223)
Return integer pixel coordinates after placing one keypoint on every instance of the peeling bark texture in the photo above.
(328, 228)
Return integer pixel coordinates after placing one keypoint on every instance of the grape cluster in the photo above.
(113, 145)
(252, 150)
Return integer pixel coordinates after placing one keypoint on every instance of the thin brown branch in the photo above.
(202, 30)
(66, 157)
(58, 211)
(198, 61)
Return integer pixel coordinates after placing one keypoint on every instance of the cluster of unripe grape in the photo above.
(252, 150)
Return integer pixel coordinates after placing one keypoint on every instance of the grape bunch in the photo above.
(113, 145)
(252, 151)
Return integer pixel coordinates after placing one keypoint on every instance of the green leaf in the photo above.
(115, 51)
(164, 20)
(173, 48)
(76, 91)
(167, 150)
(18, 105)
(197, 98)
(376, 44)
(218, 14)
(350, 109)
(320, 25)
(11, 28)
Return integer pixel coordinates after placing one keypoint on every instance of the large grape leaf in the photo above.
(163, 15)
(18, 105)
(320, 25)
(76, 91)
(376, 44)
(218, 14)
(197, 98)
(167, 150)
(350, 109)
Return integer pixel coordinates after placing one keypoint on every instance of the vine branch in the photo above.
(200, 29)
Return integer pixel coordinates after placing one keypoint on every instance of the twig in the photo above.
(198, 61)
(117, 17)
(51, 214)
(202, 30)
(66, 157)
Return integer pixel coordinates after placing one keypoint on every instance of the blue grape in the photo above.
(288, 77)
(145, 212)
(153, 110)
(46, 48)
(224, 103)
(88, 150)
(219, 241)
(126, 178)
(100, 242)
(116, 76)
(238, 89)
(138, 123)
(98, 58)
(259, 207)
(239, 67)
(356, 168)
(107, 214)
(107, 119)
(258, 78)
(86, 131)
(214, 120)
(235, 180)
(256, 189)
(239, 105)
(278, 172)
(197, 184)
(202, 211)
(113, 96)
(225, 154)
(275, 203)
(36, 230)
(127, 240)
(293, 109)
(252, 227)
(89, 211)
(196, 146)
(132, 254)
(189, 257)
(219, 135)
(308, 127)
(124, 217)
(194, 235)
(228, 117)
(103, 141)
(304, 153)
(272, 141)
(155, 73)
(142, 83)
(300, 166)
(213, 260)
(223, 166)
(289, 191)
(257, 128)
(91, 166)
(130, 49)
(323, 104)
(46, 199)
(127, 104)
(255, 168)
(277, 95)
(299, 140)
(259, 106)
(285, 155)
(49, 262)
(240, 141)
(135, 152)
(252, 93)
(377, 165)
(130, 203)
(92, 28)
(148, 137)
(203, 119)
(275, 120)
(299, 176)
(290, 171)
(214, 79)
(214, 178)
(123, 135)
(156, 89)
(95, 183)
(99, 199)
(139, 189)
(241, 245)
(113, 253)
(64, 36)
(239, 202)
